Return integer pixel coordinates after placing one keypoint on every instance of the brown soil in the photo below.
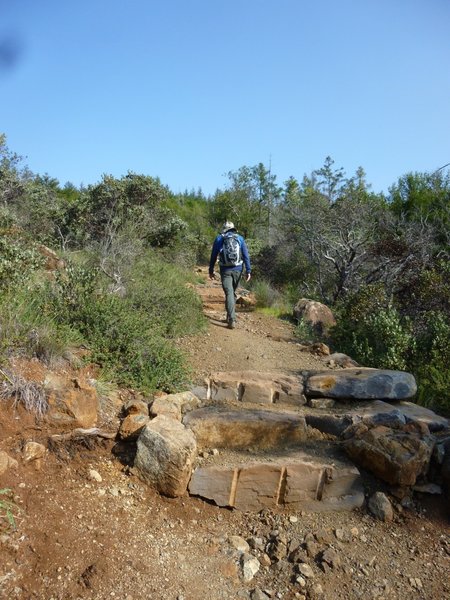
(78, 538)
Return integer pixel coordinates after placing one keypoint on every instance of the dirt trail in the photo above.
(259, 342)
(103, 536)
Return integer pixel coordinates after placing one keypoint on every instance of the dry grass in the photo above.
(28, 393)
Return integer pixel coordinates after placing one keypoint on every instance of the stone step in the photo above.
(298, 480)
(339, 385)
(255, 387)
(223, 427)
(360, 384)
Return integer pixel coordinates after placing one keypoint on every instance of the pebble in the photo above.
(381, 507)
(265, 560)
(323, 536)
(316, 591)
(239, 543)
(250, 566)
(331, 558)
(258, 594)
(305, 570)
(95, 475)
(416, 583)
(343, 535)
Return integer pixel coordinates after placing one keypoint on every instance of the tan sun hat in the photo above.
(227, 226)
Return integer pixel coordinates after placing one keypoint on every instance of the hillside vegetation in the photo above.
(127, 247)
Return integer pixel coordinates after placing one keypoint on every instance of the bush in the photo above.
(126, 345)
(382, 340)
(27, 326)
(127, 336)
(371, 331)
(17, 261)
(306, 332)
(159, 289)
(432, 362)
(266, 295)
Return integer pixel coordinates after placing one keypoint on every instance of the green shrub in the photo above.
(126, 344)
(306, 332)
(159, 290)
(432, 362)
(28, 327)
(371, 331)
(126, 336)
(382, 340)
(266, 295)
(17, 261)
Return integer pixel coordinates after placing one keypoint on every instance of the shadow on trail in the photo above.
(217, 322)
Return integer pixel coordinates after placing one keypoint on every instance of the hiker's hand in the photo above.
(249, 276)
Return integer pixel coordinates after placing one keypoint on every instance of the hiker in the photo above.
(233, 255)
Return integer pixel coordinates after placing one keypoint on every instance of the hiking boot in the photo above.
(231, 324)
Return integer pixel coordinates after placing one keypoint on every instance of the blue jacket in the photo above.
(217, 247)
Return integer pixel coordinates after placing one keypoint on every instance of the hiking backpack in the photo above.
(230, 254)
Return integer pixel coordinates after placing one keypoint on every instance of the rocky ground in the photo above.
(86, 527)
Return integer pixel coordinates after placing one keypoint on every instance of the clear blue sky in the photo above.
(189, 89)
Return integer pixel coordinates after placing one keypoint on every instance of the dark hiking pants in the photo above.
(230, 282)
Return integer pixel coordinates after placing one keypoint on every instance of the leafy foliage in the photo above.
(371, 331)
(432, 361)
(18, 261)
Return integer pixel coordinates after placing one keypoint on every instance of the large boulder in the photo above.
(360, 384)
(166, 450)
(71, 402)
(315, 314)
(397, 454)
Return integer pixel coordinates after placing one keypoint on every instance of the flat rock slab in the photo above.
(360, 384)
(256, 387)
(297, 480)
(219, 427)
(335, 422)
(410, 410)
